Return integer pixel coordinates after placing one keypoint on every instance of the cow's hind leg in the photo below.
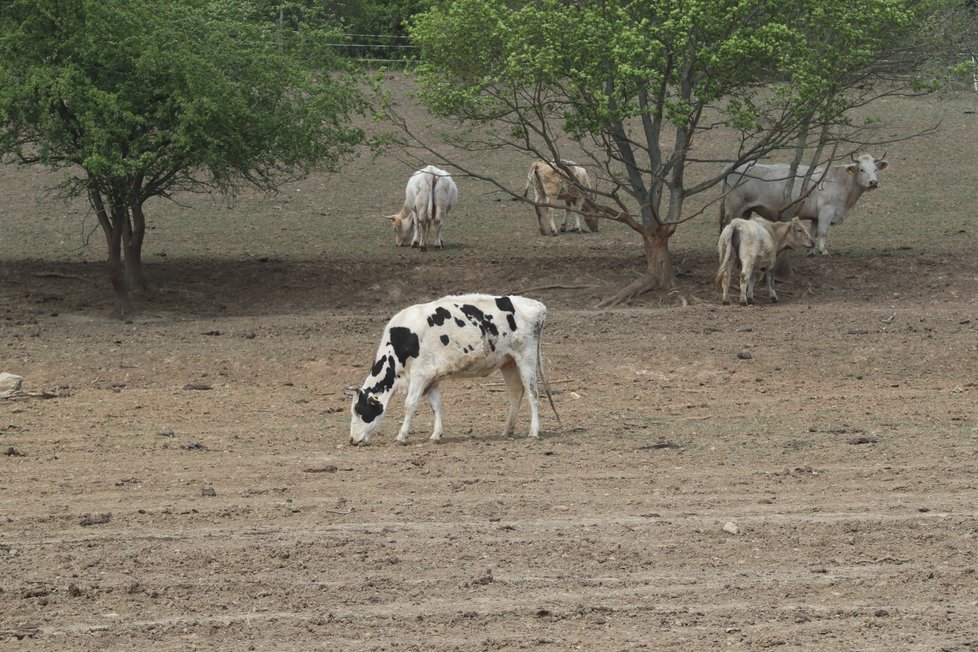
(541, 221)
(769, 275)
(434, 399)
(528, 374)
(746, 286)
(514, 385)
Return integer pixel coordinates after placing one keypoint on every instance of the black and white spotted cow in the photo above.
(455, 336)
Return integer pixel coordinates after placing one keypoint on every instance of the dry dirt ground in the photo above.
(180, 479)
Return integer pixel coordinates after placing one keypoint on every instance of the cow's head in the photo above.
(368, 414)
(864, 168)
(403, 229)
(798, 235)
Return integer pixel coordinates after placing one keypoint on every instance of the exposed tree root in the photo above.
(639, 286)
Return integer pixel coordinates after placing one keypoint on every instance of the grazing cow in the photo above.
(552, 185)
(756, 243)
(429, 195)
(455, 336)
(763, 189)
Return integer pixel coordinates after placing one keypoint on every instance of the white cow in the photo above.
(429, 195)
(755, 244)
(455, 336)
(551, 185)
(762, 189)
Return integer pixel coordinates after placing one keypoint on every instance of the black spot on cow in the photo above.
(367, 406)
(378, 366)
(444, 340)
(387, 382)
(459, 323)
(480, 319)
(506, 305)
(404, 342)
(439, 317)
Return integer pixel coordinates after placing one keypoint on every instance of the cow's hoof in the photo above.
(414, 245)
(423, 248)
(774, 299)
(401, 442)
(725, 302)
(436, 440)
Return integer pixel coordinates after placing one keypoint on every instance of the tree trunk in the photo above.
(116, 270)
(658, 265)
(113, 227)
(133, 235)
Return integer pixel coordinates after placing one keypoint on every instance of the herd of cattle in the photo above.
(476, 334)
(824, 196)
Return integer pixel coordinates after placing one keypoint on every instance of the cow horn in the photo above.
(882, 157)
(852, 157)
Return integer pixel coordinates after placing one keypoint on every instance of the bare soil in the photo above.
(799, 475)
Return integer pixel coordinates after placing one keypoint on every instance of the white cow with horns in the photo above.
(455, 336)
(429, 195)
(762, 188)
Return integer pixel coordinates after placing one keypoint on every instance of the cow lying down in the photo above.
(755, 244)
(455, 336)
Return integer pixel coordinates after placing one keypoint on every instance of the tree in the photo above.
(133, 100)
(638, 84)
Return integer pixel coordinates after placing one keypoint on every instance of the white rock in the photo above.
(731, 528)
(9, 383)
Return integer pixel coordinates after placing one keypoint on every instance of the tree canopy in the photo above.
(134, 100)
(639, 84)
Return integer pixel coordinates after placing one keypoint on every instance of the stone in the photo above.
(9, 383)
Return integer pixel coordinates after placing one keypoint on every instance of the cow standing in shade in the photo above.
(760, 188)
(755, 244)
(429, 195)
(455, 336)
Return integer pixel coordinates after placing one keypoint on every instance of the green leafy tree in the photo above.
(133, 100)
(639, 84)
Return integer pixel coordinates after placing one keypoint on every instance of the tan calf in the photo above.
(551, 185)
(756, 244)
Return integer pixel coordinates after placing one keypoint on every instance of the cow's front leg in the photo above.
(553, 226)
(414, 392)
(821, 232)
(434, 399)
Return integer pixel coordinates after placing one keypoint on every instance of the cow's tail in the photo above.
(432, 204)
(723, 249)
(543, 377)
(726, 249)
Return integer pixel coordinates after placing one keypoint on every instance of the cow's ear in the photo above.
(881, 164)
(852, 169)
(391, 217)
(374, 400)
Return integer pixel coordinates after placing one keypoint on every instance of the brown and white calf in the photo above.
(571, 186)
(455, 336)
(756, 244)
(429, 195)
